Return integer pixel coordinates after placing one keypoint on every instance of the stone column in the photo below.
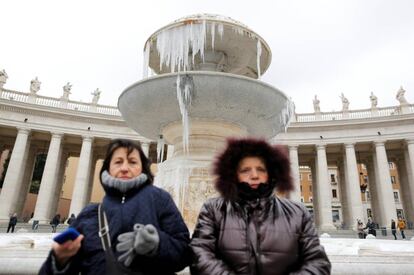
(59, 182)
(3, 157)
(345, 205)
(384, 186)
(27, 178)
(145, 148)
(403, 176)
(294, 166)
(80, 190)
(372, 184)
(47, 192)
(13, 179)
(352, 189)
(323, 190)
(409, 169)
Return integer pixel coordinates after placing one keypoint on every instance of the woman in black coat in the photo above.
(147, 234)
(249, 230)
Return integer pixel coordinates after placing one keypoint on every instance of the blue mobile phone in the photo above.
(69, 234)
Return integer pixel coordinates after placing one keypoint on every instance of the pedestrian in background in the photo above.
(360, 229)
(401, 227)
(55, 222)
(12, 223)
(393, 229)
(71, 219)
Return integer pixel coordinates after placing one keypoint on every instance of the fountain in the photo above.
(203, 88)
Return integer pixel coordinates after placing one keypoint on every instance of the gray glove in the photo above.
(143, 240)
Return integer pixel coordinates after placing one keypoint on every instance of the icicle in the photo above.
(286, 114)
(258, 56)
(146, 60)
(213, 33)
(160, 148)
(175, 45)
(220, 29)
(185, 91)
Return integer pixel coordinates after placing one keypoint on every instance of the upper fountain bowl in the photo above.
(206, 42)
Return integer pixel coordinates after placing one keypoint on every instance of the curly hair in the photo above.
(275, 158)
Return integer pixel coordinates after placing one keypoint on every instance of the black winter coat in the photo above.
(148, 205)
(269, 236)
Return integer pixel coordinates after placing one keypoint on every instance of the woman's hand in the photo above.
(63, 252)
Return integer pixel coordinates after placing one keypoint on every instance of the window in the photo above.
(301, 199)
(396, 197)
(392, 179)
(369, 213)
(309, 177)
(310, 188)
(334, 195)
(391, 165)
(365, 179)
(333, 178)
(300, 176)
(335, 215)
(400, 213)
(300, 188)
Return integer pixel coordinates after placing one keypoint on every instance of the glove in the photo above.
(143, 240)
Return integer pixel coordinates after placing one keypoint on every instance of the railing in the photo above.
(113, 111)
(58, 102)
(355, 114)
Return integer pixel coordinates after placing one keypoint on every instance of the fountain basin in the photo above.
(150, 105)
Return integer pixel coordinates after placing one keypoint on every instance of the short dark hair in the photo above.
(130, 146)
(275, 158)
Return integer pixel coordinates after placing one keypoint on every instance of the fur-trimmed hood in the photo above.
(275, 157)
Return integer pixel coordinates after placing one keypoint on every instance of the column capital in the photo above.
(379, 143)
(349, 144)
(23, 130)
(409, 141)
(293, 146)
(320, 146)
(87, 138)
(57, 133)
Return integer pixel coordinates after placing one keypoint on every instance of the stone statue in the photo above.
(400, 96)
(35, 85)
(66, 91)
(96, 94)
(374, 100)
(316, 106)
(3, 78)
(345, 103)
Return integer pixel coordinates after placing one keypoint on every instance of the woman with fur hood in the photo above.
(249, 230)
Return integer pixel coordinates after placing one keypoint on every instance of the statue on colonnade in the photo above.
(374, 100)
(345, 103)
(316, 106)
(400, 96)
(3, 78)
(96, 94)
(66, 91)
(35, 86)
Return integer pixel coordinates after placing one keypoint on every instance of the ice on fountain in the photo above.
(146, 60)
(258, 56)
(175, 45)
(286, 114)
(185, 93)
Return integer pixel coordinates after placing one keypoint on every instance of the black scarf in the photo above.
(246, 193)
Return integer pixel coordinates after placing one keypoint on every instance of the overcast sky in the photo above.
(318, 47)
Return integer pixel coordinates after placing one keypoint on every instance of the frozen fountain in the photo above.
(203, 88)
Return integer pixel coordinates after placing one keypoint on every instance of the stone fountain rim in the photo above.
(151, 129)
(222, 19)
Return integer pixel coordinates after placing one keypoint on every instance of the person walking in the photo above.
(360, 229)
(401, 227)
(71, 219)
(371, 226)
(393, 229)
(12, 223)
(55, 222)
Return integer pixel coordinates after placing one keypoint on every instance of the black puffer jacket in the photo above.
(268, 236)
